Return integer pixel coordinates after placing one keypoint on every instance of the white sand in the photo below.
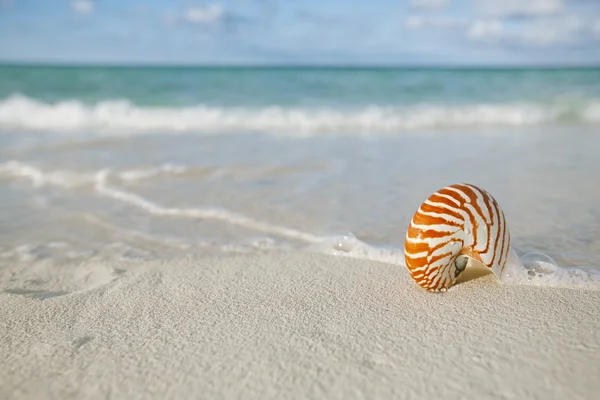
(288, 326)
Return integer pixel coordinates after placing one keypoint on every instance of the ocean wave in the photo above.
(20, 113)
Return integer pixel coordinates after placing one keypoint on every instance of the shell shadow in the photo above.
(474, 270)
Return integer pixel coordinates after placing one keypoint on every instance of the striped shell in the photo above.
(455, 223)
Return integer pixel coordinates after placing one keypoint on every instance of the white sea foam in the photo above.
(71, 179)
(539, 269)
(230, 217)
(532, 269)
(349, 245)
(38, 177)
(19, 113)
(147, 173)
(535, 269)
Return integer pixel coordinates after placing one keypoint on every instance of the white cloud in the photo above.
(204, 14)
(485, 30)
(430, 5)
(505, 8)
(441, 22)
(540, 32)
(414, 22)
(82, 6)
(553, 31)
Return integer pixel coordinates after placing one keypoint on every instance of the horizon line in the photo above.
(60, 64)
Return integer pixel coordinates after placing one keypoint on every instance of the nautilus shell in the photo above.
(454, 224)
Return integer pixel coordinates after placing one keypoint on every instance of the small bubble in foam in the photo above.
(264, 243)
(538, 263)
(345, 244)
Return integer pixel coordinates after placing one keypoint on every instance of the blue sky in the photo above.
(311, 31)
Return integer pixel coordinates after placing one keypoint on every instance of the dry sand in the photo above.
(288, 325)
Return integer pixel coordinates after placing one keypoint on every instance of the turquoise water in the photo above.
(288, 100)
(249, 87)
(122, 164)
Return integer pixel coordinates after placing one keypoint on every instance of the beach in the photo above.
(289, 325)
(239, 232)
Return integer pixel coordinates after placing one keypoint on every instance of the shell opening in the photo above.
(460, 262)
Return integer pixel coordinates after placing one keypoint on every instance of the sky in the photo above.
(389, 32)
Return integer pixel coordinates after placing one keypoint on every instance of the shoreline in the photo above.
(288, 325)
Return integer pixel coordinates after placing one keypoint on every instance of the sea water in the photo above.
(155, 163)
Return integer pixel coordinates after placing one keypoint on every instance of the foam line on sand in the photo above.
(287, 325)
